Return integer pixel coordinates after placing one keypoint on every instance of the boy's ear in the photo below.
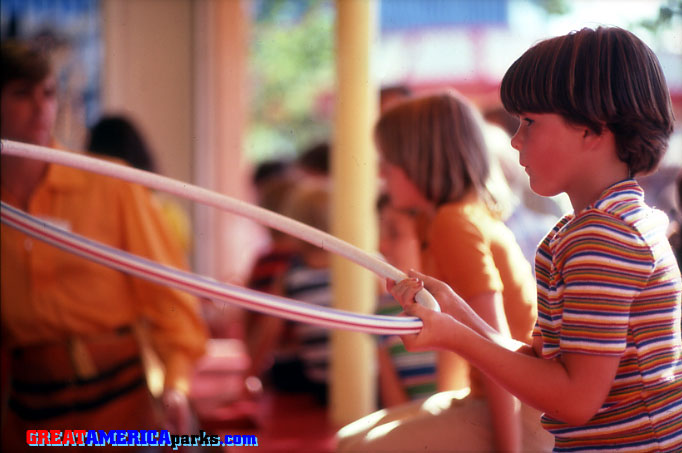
(588, 131)
(592, 138)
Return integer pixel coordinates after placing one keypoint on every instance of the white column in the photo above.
(179, 68)
(147, 75)
(223, 242)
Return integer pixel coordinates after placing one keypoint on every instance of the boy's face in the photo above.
(549, 152)
(29, 111)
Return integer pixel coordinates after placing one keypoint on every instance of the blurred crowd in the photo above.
(88, 347)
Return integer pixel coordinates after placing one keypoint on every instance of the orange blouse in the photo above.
(49, 295)
(475, 253)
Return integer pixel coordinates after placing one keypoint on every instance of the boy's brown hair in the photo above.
(438, 142)
(597, 78)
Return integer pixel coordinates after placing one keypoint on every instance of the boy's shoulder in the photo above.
(621, 207)
(624, 217)
(623, 225)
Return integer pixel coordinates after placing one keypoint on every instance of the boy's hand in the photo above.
(435, 323)
(405, 290)
(437, 329)
(449, 301)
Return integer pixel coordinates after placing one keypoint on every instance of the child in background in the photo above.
(434, 161)
(296, 354)
(274, 181)
(605, 364)
(309, 279)
(268, 271)
(403, 376)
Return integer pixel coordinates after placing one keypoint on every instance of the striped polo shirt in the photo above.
(608, 284)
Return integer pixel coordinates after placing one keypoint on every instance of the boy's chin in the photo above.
(542, 191)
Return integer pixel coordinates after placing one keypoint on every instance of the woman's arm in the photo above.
(570, 389)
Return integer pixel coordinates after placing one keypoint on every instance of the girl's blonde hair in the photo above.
(438, 142)
(309, 202)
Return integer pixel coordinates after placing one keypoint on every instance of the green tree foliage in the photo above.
(555, 7)
(667, 14)
(291, 70)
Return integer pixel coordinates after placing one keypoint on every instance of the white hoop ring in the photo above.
(204, 196)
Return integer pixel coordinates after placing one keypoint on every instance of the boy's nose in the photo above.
(516, 142)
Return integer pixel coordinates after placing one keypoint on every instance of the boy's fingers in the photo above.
(408, 340)
(414, 274)
(407, 289)
(414, 310)
(423, 277)
(433, 285)
(389, 284)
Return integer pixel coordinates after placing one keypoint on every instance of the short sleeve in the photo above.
(602, 271)
(177, 330)
(462, 255)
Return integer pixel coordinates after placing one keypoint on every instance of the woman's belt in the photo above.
(80, 374)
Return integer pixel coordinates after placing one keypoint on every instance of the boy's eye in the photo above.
(528, 121)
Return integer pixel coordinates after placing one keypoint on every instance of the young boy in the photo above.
(606, 360)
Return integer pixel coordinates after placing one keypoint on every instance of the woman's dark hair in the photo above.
(20, 61)
(597, 78)
(116, 136)
(315, 159)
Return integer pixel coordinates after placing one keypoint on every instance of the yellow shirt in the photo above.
(49, 295)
